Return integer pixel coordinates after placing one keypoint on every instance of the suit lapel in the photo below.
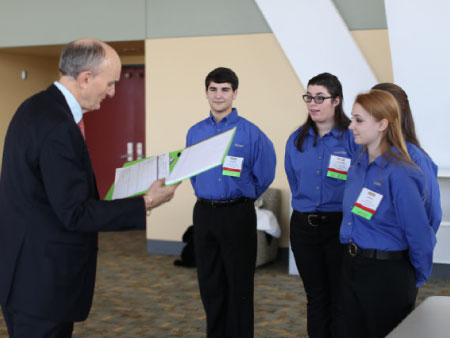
(60, 99)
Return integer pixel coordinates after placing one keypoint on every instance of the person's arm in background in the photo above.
(290, 172)
(264, 164)
(411, 214)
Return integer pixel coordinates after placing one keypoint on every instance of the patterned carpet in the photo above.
(142, 295)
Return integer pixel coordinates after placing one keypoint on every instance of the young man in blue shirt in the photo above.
(224, 215)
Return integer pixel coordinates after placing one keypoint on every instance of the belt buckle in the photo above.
(311, 217)
(352, 249)
(212, 203)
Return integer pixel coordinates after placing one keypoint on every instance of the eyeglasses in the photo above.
(317, 99)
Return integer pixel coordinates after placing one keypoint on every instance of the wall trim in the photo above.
(441, 271)
(162, 247)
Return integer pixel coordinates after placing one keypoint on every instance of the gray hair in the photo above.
(77, 57)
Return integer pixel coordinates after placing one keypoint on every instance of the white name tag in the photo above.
(367, 203)
(232, 166)
(338, 167)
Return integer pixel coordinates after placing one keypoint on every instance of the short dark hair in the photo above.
(222, 75)
(341, 121)
(77, 57)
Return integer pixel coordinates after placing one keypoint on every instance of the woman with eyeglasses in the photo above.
(385, 225)
(418, 155)
(317, 159)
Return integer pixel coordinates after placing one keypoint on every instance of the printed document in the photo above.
(136, 177)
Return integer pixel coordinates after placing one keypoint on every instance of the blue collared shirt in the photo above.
(73, 104)
(312, 190)
(400, 221)
(251, 144)
(432, 193)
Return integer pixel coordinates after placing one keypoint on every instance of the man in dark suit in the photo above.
(50, 212)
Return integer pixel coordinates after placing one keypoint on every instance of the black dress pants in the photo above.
(377, 295)
(318, 256)
(21, 325)
(225, 248)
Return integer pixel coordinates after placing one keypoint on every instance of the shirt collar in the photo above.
(336, 132)
(381, 161)
(73, 104)
(311, 131)
(230, 118)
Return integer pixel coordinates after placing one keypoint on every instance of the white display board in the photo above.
(420, 48)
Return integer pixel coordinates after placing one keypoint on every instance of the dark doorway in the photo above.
(116, 132)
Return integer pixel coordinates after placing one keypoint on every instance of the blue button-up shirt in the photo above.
(432, 193)
(400, 221)
(250, 143)
(312, 190)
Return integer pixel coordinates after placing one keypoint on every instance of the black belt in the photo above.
(224, 203)
(320, 218)
(355, 250)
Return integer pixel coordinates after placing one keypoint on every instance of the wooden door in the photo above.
(116, 132)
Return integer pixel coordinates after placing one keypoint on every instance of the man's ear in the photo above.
(84, 78)
(235, 94)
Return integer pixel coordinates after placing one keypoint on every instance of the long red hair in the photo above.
(383, 105)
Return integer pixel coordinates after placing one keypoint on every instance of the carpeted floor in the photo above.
(143, 295)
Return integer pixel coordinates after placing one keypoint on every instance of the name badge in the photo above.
(367, 203)
(338, 167)
(232, 166)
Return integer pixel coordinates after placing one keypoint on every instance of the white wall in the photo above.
(420, 49)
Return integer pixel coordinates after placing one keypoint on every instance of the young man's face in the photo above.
(220, 97)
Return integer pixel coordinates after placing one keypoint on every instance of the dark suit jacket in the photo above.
(50, 213)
